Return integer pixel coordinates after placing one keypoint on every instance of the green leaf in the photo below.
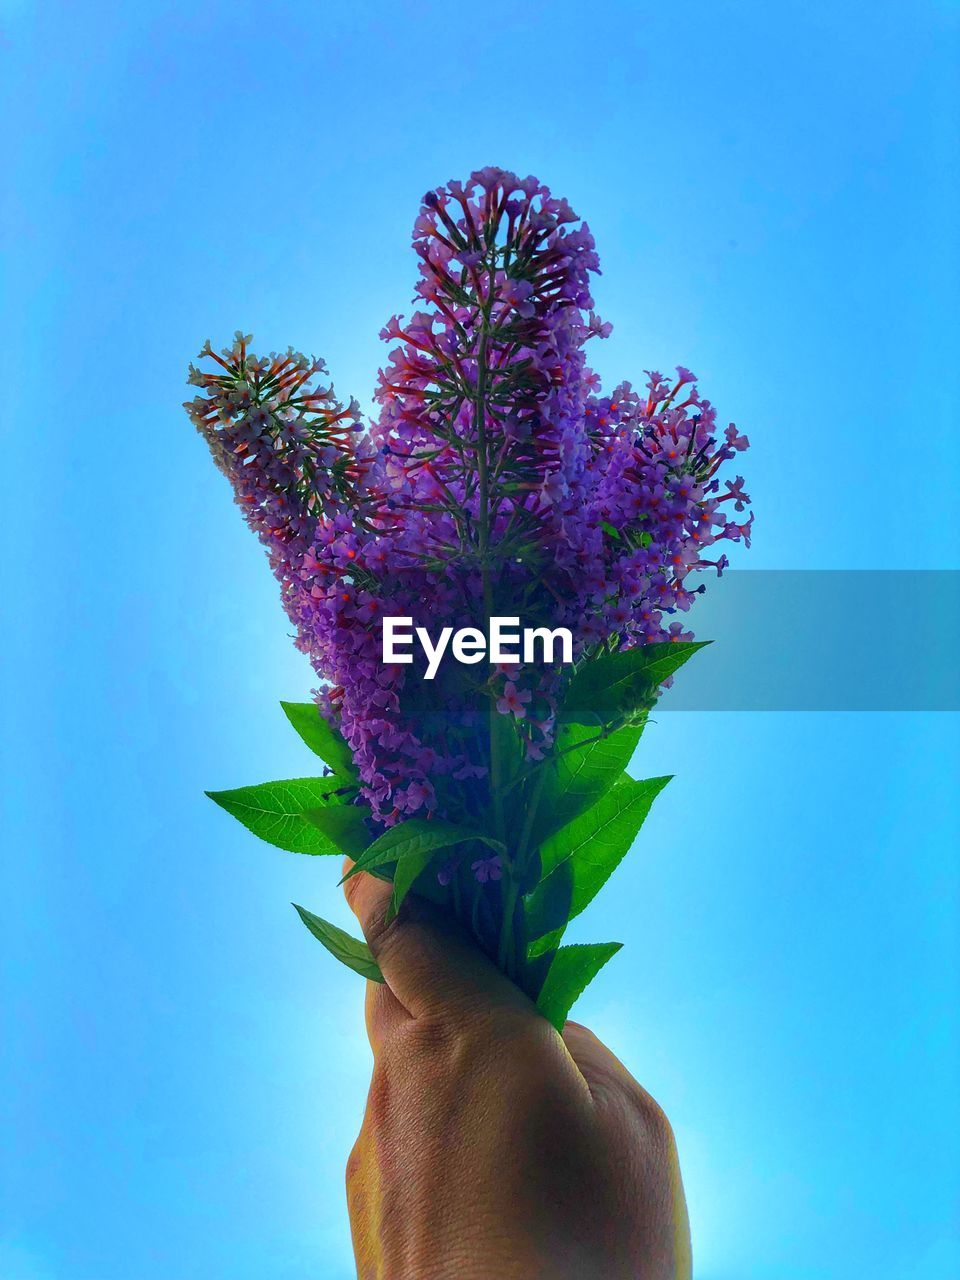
(611, 686)
(414, 837)
(344, 826)
(573, 969)
(548, 916)
(533, 973)
(584, 854)
(356, 955)
(586, 767)
(276, 811)
(548, 908)
(406, 874)
(321, 737)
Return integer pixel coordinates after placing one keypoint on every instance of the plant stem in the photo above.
(517, 872)
(483, 479)
(475, 913)
(506, 925)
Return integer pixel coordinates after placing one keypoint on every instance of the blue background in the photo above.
(774, 194)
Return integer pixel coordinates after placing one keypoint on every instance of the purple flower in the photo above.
(676, 632)
(598, 328)
(734, 441)
(600, 517)
(513, 700)
(516, 294)
(485, 869)
(554, 488)
(735, 488)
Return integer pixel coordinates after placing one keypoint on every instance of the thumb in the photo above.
(602, 1070)
(430, 967)
(610, 1083)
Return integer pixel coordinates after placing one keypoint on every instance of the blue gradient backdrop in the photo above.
(774, 194)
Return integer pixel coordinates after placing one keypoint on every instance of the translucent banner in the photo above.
(824, 640)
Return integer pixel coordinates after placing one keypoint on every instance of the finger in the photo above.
(598, 1066)
(621, 1101)
(427, 965)
(383, 1014)
(606, 1076)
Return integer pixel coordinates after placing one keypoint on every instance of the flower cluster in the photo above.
(283, 443)
(497, 479)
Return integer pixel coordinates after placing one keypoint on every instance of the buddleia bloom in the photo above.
(497, 479)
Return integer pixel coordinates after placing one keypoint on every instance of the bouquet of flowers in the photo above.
(500, 500)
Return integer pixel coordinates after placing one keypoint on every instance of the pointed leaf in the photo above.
(321, 737)
(275, 811)
(573, 969)
(356, 955)
(627, 682)
(548, 908)
(416, 836)
(344, 826)
(587, 766)
(407, 872)
(584, 854)
(534, 972)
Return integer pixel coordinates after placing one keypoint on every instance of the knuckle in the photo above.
(368, 897)
(513, 1032)
(354, 1166)
(379, 1095)
(655, 1121)
(356, 1187)
(351, 888)
(382, 936)
(433, 1036)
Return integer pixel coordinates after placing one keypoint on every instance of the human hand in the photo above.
(492, 1148)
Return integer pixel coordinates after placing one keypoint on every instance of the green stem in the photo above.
(475, 912)
(531, 814)
(483, 480)
(506, 925)
(512, 943)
